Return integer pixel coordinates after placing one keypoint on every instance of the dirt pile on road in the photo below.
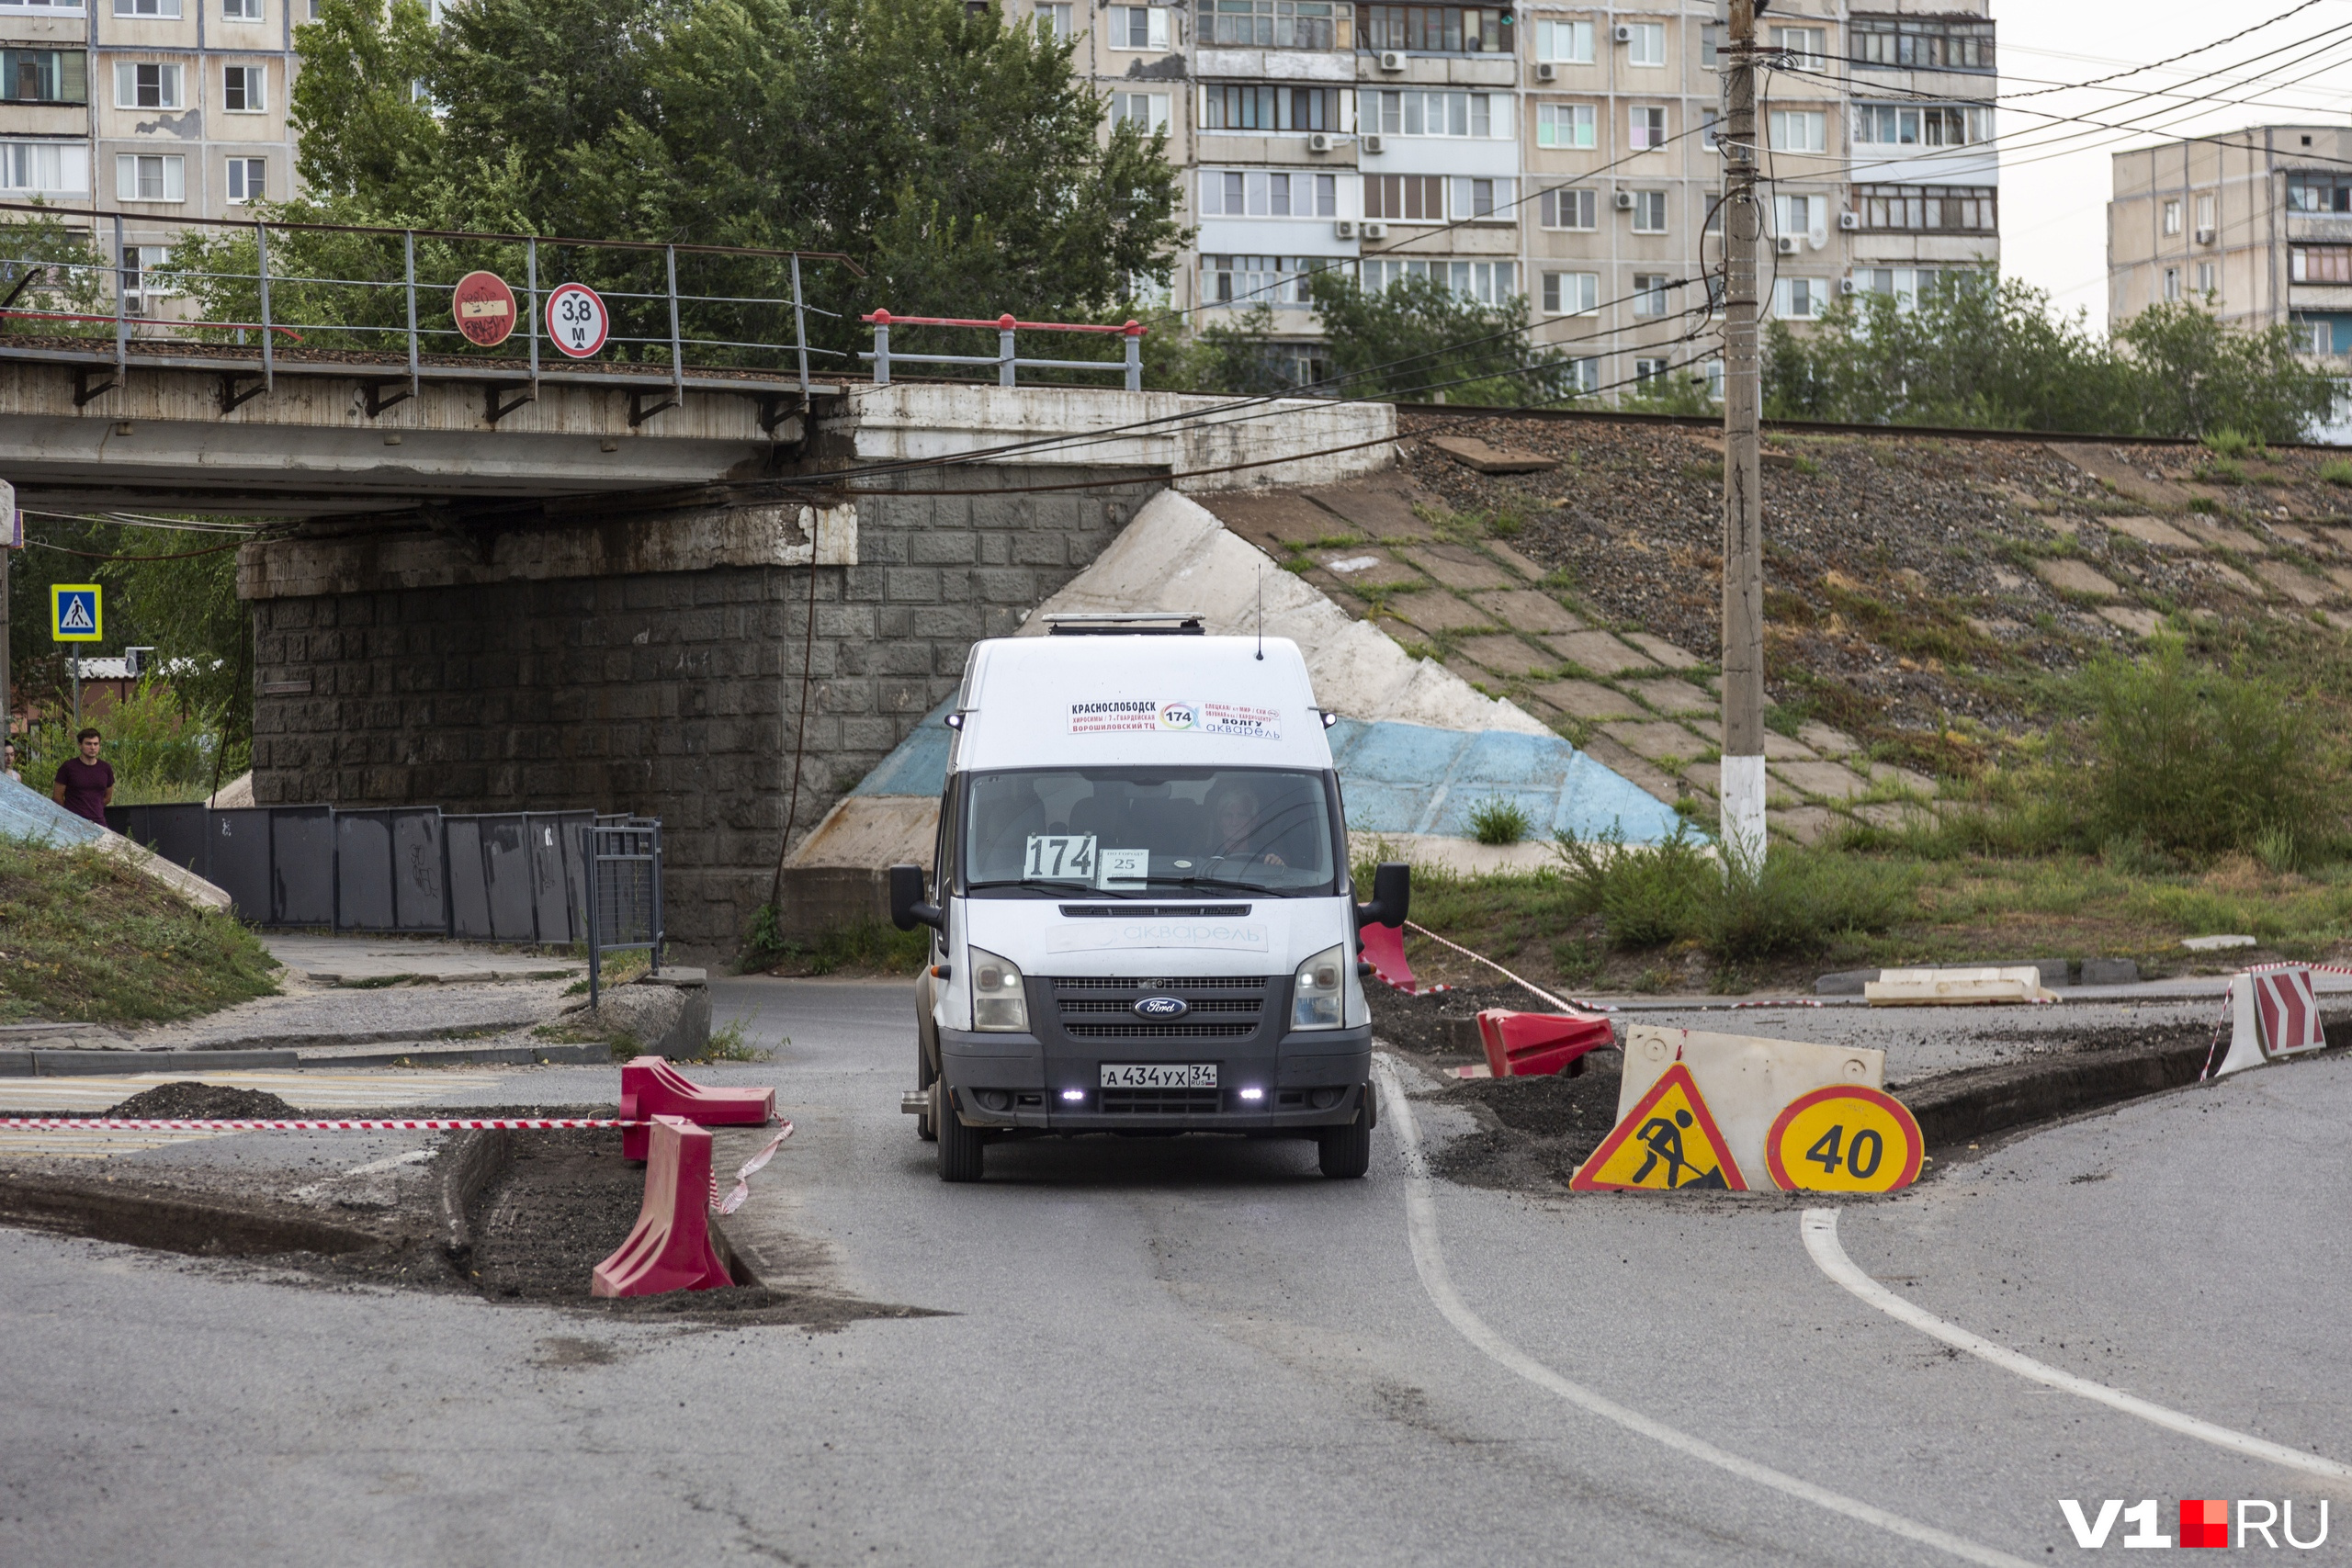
(184, 1102)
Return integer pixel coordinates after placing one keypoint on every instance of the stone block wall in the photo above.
(671, 695)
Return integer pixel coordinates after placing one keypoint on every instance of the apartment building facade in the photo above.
(155, 109)
(2254, 224)
(1562, 152)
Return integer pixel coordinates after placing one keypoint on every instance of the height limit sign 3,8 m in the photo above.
(578, 322)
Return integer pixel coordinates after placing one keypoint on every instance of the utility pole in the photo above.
(1742, 773)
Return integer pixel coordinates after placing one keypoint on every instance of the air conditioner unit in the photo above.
(1319, 142)
(1547, 71)
(1375, 231)
(1786, 245)
(2204, 236)
(1375, 142)
(1845, 285)
(1624, 201)
(1392, 60)
(1345, 229)
(1849, 222)
(1625, 34)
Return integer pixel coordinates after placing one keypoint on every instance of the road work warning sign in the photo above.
(1668, 1143)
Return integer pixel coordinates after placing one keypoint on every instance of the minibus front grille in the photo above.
(1162, 1101)
(1073, 1007)
(1142, 1031)
(1179, 984)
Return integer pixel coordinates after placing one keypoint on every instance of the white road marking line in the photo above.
(1429, 1261)
(1820, 1227)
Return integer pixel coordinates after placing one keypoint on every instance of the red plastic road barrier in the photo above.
(1537, 1044)
(1383, 948)
(651, 1087)
(670, 1250)
(232, 1124)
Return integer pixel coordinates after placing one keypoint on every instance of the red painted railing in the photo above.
(1005, 360)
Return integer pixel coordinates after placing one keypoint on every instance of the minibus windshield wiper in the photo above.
(1078, 882)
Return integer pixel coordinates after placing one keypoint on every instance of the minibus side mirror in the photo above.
(908, 909)
(1392, 896)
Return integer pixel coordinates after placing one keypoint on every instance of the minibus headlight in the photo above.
(1316, 997)
(998, 1001)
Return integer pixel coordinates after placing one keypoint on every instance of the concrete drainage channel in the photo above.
(1532, 1133)
(520, 1218)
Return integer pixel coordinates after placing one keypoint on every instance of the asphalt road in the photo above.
(1201, 1351)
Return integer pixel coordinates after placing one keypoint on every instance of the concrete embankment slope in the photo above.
(35, 819)
(1418, 747)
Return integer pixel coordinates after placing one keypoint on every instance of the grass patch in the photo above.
(2336, 472)
(1498, 821)
(862, 947)
(726, 1044)
(85, 938)
(1797, 900)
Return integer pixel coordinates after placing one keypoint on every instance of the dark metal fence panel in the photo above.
(301, 865)
(420, 890)
(176, 833)
(624, 866)
(363, 871)
(551, 901)
(237, 860)
(507, 866)
(469, 886)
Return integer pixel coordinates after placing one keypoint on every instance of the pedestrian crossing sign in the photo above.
(76, 613)
(1668, 1143)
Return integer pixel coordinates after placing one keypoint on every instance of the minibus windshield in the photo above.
(1138, 831)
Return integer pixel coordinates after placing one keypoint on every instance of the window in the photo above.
(146, 7)
(1922, 45)
(1146, 112)
(1799, 131)
(1710, 129)
(1139, 27)
(138, 87)
(1645, 126)
(1571, 293)
(1645, 43)
(2207, 278)
(1405, 198)
(1434, 114)
(1444, 29)
(1263, 193)
(2172, 283)
(2318, 193)
(1583, 376)
(1281, 24)
(1649, 370)
(1799, 298)
(2205, 213)
(245, 182)
(1649, 212)
(1805, 46)
(149, 177)
(1056, 19)
(141, 264)
(1892, 125)
(45, 166)
(2314, 335)
(1965, 209)
(1907, 283)
(2172, 218)
(1710, 45)
(241, 10)
(1649, 293)
(1236, 106)
(244, 89)
(2310, 263)
(1714, 370)
(1564, 125)
(1488, 283)
(1799, 214)
(1476, 199)
(60, 7)
(1568, 209)
(1564, 43)
(1278, 281)
(44, 76)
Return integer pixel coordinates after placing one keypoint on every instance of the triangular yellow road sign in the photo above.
(1668, 1141)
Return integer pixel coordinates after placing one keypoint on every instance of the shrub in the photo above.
(2336, 472)
(159, 751)
(1798, 900)
(1495, 821)
(1646, 895)
(2229, 443)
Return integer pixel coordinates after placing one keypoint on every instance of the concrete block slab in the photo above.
(1823, 739)
(1804, 825)
(1477, 455)
(2231, 577)
(1896, 817)
(1598, 652)
(1457, 565)
(1506, 655)
(1830, 781)
(2110, 972)
(1532, 571)
(1383, 509)
(2340, 537)
(1674, 698)
(1435, 610)
(1630, 766)
(2292, 581)
(1362, 569)
(1778, 747)
(1525, 610)
(2132, 618)
(2071, 576)
(1655, 739)
(2221, 535)
(1583, 699)
(1888, 774)
(1275, 522)
(2153, 531)
(1664, 652)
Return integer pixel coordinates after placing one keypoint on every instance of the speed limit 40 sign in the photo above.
(578, 322)
(1846, 1138)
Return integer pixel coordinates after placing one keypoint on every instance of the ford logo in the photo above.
(1163, 1007)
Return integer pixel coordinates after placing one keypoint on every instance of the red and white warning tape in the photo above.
(744, 1173)
(427, 1124)
(1482, 958)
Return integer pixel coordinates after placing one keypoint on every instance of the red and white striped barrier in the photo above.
(2271, 1012)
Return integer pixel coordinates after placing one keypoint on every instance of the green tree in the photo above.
(1417, 337)
(2196, 377)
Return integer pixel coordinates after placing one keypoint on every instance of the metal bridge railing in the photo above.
(1004, 360)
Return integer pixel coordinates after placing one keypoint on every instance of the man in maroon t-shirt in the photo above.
(85, 784)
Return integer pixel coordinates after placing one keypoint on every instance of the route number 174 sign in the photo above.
(578, 322)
